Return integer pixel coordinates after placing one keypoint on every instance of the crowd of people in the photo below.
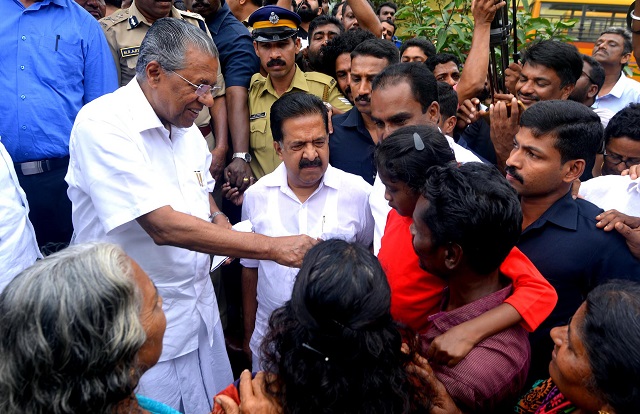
(420, 241)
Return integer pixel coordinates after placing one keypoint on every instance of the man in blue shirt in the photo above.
(53, 59)
(555, 142)
(354, 137)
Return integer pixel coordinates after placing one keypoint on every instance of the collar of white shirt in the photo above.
(145, 117)
(278, 178)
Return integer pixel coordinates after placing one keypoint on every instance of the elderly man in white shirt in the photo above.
(139, 177)
(304, 195)
(18, 246)
(402, 95)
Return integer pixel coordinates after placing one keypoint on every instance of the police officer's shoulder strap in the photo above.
(256, 79)
(321, 78)
(115, 18)
(200, 19)
(326, 80)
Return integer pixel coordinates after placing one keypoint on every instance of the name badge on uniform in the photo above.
(129, 51)
(258, 116)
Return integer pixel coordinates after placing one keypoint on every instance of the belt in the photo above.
(205, 130)
(42, 166)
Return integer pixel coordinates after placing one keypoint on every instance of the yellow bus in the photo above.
(593, 16)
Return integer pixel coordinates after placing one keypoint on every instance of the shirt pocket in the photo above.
(258, 128)
(61, 61)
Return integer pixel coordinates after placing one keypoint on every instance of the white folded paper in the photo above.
(243, 226)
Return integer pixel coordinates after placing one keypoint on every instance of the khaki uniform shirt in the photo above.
(262, 96)
(125, 30)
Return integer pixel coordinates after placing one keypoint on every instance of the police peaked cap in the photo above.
(273, 23)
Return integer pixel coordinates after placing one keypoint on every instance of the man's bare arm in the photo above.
(169, 227)
(220, 127)
(474, 74)
(366, 16)
(238, 112)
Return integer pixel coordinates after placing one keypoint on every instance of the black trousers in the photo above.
(50, 208)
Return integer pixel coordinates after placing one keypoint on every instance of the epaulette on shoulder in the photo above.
(190, 14)
(320, 77)
(257, 78)
(115, 18)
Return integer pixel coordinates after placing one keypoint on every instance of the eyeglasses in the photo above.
(201, 89)
(616, 159)
(589, 77)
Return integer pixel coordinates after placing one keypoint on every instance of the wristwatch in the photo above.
(244, 156)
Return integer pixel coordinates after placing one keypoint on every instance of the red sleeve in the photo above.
(533, 297)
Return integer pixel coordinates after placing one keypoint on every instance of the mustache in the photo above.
(529, 96)
(305, 163)
(365, 98)
(275, 62)
(512, 172)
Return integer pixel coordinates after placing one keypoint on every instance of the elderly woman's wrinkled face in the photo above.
(569, 367)
(152, 317)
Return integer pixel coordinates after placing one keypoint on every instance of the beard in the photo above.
(308, 14)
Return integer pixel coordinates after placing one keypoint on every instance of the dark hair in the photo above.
(562, 57)
(324, 20)
(334, 10)
(344, 43)
(378, 48)
(387, 4)
(420, 79)
(398, 158)
(625, 123)
(116, 3)
(627, 45)
(475, 207)
(427, 47)
(294, 105)
(388, 21)
(576, 128)
(611, 337)
(448, 100)
(440, 58)
(597, 71)
(334, 347)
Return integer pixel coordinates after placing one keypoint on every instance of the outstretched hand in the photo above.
(441, 401)
(253, 399)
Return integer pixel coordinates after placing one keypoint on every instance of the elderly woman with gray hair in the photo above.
(77, 330)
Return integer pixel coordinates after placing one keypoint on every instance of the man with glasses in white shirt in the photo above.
(139, 177)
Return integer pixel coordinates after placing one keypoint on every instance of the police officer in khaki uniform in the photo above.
(274, 34)
(125, 30)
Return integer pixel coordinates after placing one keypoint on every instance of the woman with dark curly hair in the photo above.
(334, 348)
